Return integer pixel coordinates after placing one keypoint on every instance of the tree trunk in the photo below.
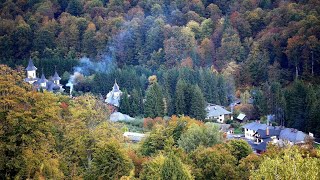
(297, 74)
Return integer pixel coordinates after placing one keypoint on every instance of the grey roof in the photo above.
(216, 110)
(241, 116)
(261, 147)
(31, 66)
(292, 135)
(43, 79)
(56, 77)
(51, 86)
(272, 132)
(256, 126)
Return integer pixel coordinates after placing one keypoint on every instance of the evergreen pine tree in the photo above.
(124, 103)
(136, 103)
(180, 101)
(154, 105)
(222, 94)
(296, 105)
(197, 108)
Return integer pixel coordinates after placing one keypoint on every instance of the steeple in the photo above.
(43, 81)
(31, 72)
(113, 97)
(115, 86)
(31, 66)
(56, 78)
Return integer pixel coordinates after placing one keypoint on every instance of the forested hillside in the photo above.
(230, 49)
(258, 40)
(51, 136)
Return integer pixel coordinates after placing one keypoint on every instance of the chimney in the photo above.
(267, 131)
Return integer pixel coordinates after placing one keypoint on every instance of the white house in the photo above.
(251, 129)
(216, 112)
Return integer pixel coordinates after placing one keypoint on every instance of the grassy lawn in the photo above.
(238, 130)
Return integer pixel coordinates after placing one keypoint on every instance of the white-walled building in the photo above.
(218, 113)
(251, 129)
(113, 97)
(262, 134)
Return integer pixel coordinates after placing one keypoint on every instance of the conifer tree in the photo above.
(154, 105)
(136, 103)
(124, 103)
(222, 91)
(197, 108)
(180, 101)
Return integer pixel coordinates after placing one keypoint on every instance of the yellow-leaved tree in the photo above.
(27, 143)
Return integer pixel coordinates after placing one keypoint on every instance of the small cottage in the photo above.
(218, 113)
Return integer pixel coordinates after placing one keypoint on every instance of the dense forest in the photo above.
(170, 58)
(52, 136)
(268, 50)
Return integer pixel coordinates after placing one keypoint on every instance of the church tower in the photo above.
(31, 72)
(43, 81)
(113, 97)
(56, 78)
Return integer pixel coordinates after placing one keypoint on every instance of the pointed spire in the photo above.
(56, 76)
(31, 66)
(115, 86)
(43, 78)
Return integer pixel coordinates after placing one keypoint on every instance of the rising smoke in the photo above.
(87, 67)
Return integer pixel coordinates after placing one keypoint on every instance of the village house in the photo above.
(218, 113)
(251, 129)
(52, 84)
(261, 134)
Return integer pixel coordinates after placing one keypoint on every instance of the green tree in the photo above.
(296, 167)
(154, 104)
(239, 148)
(196, 136)
(257, 63)
(173, 168)
(152, 169)
(136, 107)
(154, 142)
(125, 106)
(214, 163)
(75, 7)
(296, 105)
(180, 99)
(207, 28)
(198, 104)
(109, 161)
